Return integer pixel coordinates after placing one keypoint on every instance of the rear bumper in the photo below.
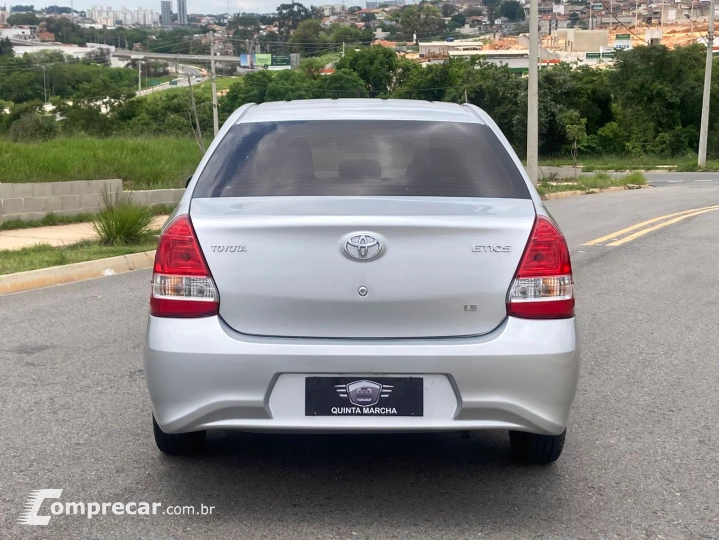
(201, 374)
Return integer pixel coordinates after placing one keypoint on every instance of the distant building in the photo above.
(371, 4)
(182, 12)
(108, 17)
(3, 16)
(547, 23)
(166, 12)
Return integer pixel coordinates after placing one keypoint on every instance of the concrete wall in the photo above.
(36, 200)
(586, 40)
(559, 172)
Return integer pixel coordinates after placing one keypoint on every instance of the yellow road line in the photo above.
(614, 235)
(655, 227)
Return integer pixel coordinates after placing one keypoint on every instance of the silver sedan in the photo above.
(362, 266)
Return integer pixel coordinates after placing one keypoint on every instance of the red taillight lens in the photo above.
(182, 285)
(543, 287)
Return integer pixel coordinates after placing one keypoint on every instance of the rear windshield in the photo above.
(361, 158)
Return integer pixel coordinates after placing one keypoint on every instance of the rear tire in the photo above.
(178, 444)
(537, 449)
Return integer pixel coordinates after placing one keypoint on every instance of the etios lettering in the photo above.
(491, 249)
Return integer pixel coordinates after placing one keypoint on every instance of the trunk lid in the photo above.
(282, 267)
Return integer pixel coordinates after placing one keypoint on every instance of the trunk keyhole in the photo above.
(362, 291)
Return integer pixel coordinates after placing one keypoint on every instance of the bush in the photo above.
(122, 222)
(612, 139)
(32, 127)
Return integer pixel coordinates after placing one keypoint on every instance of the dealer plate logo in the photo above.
(364, 393)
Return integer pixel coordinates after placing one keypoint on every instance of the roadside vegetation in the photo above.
(142, 162)
(121, 226)
(120, 222)
(54, 219)
(589, 183)
(611, 162)
(644, 112)
(45, 256)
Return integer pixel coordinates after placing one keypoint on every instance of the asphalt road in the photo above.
(641, 457)
(679, 178)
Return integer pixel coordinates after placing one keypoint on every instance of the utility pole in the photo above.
(215, 121)
(44, 82)
(139, 76)
(533, 95)
(197, 119)
(703, 130)
(661, 18)
(343, 49)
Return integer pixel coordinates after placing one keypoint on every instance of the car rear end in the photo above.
(336, 267)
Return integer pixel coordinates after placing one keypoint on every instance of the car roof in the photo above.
(359, 109)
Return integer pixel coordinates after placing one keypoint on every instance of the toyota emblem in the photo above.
(362, 246)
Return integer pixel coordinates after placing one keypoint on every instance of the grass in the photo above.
(142, 162)
(618, 163)
(53, 219)
(200, 89)
(327, 58)
(588, 183)
(45, 256)
(48, 220)
(120, 222)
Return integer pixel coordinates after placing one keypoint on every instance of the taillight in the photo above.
(182, 285)
(543, 287)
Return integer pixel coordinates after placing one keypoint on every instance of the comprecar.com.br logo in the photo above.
(32, 515)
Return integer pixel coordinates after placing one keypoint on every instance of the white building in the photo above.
(165, 12)
(110, 17)
(25, 32)
(182, 12)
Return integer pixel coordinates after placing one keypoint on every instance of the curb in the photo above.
(576, 193)
(70, 273)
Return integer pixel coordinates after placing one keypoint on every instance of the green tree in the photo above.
(575, 129)
(657, 90)
(246, 20)
(341, 33)
(612, 139)
(473, 12)
(492, 7)
(343, 83)
(289, 17)
(312, 67)
(422, 19)
(377, 66)
(32, 127)
(458, 20)
(448, 10)
(252, 89)
(23, 19)
(288, 84)
(5, 47)
(508, 8)
(308, 37)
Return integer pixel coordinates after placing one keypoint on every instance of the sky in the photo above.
(193, 6)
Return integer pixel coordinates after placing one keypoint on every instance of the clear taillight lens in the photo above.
(543, 287)
(182, 285)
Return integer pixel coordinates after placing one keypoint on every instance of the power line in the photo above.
(611, 12)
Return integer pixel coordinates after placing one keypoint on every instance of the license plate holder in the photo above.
(364, 396)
